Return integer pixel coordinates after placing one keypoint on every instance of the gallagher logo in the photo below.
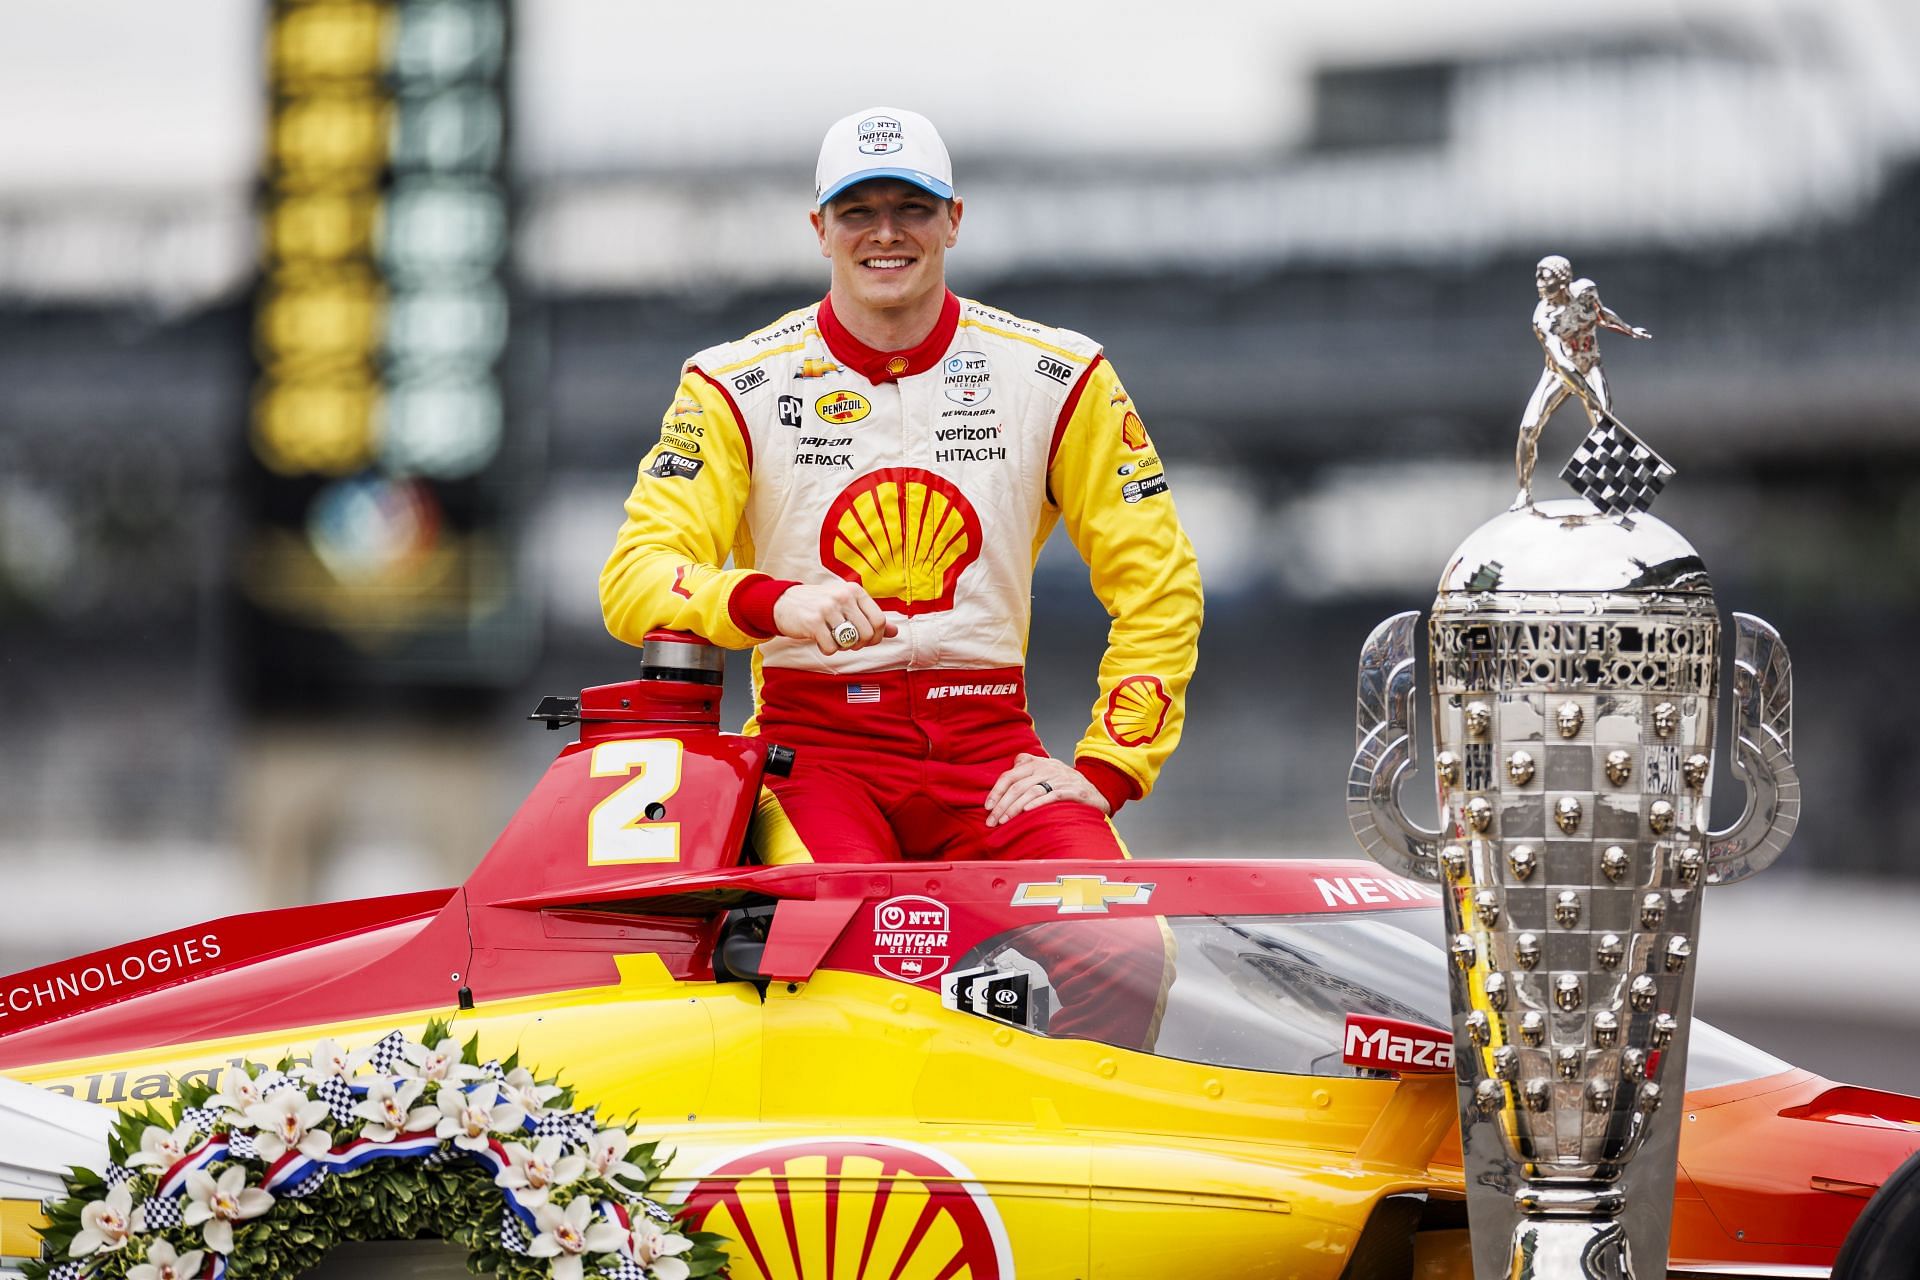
(842, 407)
(1388, 1044)
(904, 534)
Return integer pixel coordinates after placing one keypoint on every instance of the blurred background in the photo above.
(331, 332)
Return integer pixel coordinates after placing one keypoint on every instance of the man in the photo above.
(1565, 323)
(883, 466)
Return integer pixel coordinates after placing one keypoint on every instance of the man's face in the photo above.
(1549, 280)
(887, 241)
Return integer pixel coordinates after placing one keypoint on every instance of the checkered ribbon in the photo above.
(389, 1051)
(272, 1082)
(574, 1126)
(494, 1072)
(514, 1236)
(241, 1146)
(161, 1212)
(338, 1096)
(117, 1174)
(657, 1212)
(204, 1119)
(624, 1268)
(1614, 471)
(69, 1270)
(306, 1186)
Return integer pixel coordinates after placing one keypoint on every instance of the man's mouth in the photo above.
(888, 264)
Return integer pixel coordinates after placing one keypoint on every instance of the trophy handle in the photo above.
(1383, 754)
(1763, 755)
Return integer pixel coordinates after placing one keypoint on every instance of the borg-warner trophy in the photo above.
(1574, 655)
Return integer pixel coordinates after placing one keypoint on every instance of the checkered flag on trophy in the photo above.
(1614, 471)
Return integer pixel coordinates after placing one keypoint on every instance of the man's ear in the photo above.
(955, 207)
(819, 220)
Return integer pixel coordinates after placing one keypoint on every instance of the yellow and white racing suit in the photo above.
(931, 477)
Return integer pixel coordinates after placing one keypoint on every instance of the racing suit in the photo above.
(930, 477)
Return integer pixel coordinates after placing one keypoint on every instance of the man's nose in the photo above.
(884, 229)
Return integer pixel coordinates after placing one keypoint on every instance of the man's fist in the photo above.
(814, 613)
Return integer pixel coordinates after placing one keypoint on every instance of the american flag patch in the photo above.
(861, 693)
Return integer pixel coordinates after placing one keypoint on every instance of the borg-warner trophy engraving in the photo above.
(1612, 468)
(1574, 662)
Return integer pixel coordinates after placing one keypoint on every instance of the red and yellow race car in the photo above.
(939, 1070)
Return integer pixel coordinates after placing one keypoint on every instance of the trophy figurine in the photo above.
(1574, 656)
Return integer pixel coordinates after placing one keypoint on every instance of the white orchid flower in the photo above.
(164, 1264)
(330, 1061)
(286, 1123)
(530, 1175)
(654, 1249)
(532, 1096)
(442, 1062)
(221, 1204)
(161, 1147)
(104, 1224)
(468, 1118)
(240, 1091)
(565, 1234)
(390, 1111)
(607, 1153)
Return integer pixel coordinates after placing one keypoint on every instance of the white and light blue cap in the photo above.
(883, 142)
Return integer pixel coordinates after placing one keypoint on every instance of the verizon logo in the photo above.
(1388, 1044)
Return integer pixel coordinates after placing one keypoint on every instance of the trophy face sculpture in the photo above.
(1574, 654)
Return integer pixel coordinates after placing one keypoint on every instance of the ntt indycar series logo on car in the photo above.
(910, 937)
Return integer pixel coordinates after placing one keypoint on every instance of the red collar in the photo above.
(885, 366)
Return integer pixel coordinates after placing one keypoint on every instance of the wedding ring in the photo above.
(1046, 787)
(845, 634)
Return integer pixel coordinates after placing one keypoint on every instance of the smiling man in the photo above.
(882, 467)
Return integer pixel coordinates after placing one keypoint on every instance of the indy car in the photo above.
(1053, 1070)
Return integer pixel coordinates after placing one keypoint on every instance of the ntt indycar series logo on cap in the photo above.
(879, 136)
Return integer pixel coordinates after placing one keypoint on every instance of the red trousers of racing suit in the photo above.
(897, 765)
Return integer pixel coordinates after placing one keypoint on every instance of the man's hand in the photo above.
(812, 613)
(1038, 780)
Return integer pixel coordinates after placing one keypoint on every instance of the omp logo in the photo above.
(904, 534)
(1388, 1044)
(1059, 372)
(842, 406)
(750, 379)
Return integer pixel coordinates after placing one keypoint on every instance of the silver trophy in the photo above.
(1574, 660)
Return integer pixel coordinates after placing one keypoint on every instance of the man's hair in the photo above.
(1556, 264)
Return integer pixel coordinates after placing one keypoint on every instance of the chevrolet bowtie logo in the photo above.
(1082, 895)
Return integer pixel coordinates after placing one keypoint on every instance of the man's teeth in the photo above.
(887, 263)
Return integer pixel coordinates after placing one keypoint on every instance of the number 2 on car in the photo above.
(619, 829)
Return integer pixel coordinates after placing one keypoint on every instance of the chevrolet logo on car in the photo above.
(1082, 895)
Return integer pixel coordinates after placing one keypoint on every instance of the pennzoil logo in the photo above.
(904, 534)
(842, 406)
(814, 1208)
(1137, 710)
